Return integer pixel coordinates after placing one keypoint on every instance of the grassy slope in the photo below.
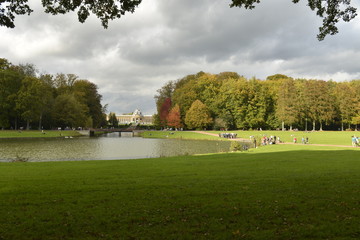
(274, 192)
(36, 134)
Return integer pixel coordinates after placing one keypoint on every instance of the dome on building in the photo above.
(137, 112)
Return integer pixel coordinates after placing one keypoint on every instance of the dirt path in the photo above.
(245, 139)
(217, 135)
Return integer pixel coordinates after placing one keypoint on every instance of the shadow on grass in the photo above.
(277, 195)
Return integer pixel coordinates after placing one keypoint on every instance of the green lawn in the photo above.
(318, 137)
(178, 134)
(273, 192)
(36, 133)
(323, 137)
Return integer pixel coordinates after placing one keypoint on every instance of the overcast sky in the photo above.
(169, 39)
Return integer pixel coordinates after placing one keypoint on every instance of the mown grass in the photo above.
(179, 134)
(317, 137)
(36, 134)
(274, 192)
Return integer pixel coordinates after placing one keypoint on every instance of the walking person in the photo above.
(354, 141)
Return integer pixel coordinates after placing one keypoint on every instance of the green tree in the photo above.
(104, 10)
(331, 11)
(31, 100)
(286, 105)
(256, 106)
(87, 94)
(10, 83)
(231, 102)
(277, 77)
(198, 116)
(113, 121)
(157, 121)
(69, 112)
(347, 102)
(318, 102)
(356, 121)
(184, 95)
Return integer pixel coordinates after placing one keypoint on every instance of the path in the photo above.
(245, 139)
(217, 135)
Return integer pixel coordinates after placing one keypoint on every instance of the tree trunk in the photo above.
(321, 126)
(290, 128)
(283, 126)
(27, 124)
(313, 125)
(342, 126)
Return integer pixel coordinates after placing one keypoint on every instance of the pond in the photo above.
(107, 147)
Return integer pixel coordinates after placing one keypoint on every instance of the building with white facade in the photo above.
(136, 118)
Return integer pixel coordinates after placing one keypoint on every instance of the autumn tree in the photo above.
(198, 116)
(185, 93)
(239, 103)
(164, 111)
(174, 118)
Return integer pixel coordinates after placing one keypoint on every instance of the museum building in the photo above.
(136, 118)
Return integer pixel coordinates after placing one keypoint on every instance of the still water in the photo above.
(107, 147)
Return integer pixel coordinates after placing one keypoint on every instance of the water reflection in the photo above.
(103, 148)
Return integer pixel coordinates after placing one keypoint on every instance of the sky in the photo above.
(167, 40)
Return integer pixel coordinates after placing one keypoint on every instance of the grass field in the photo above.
(178, 134)
(319, 137)
(273, 192)
(36, 134)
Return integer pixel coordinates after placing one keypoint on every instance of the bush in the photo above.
(235, 146)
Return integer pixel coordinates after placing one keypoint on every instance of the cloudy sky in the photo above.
(169, 39)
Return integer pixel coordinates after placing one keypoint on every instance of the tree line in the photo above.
(230, 101)
(44, 101)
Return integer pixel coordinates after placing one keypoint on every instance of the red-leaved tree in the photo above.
(174, 118)
(164, 111)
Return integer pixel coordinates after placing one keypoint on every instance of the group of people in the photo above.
(355, 141)
(270, 140)
(304, 140)
(228, 135)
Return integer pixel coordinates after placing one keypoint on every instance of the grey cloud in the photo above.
(169, 39)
